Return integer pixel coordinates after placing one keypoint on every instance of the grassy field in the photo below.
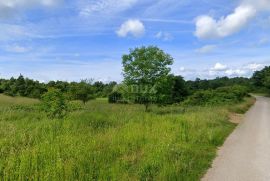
(110, 142)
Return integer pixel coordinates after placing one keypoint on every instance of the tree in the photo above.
(171, 90)
(180, 90)
(10, 87)
(114, 97)
(262, 78)
(143, 69)
(83, 91)
(99, 86)
(54, 103)
(107, 90)
(20, 85)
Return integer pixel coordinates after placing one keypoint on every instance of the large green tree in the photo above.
(20, 85)
(83, 91)
(262, 78)
(143, 69)
(171, 90)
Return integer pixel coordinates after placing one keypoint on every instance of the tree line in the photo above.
(147, 80)
(84, 90)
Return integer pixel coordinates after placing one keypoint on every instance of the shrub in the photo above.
(223, 95)
(10, 93)
(54, 104)
(115, 97)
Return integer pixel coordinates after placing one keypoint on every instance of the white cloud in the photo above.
(219, 67)
(254, 66)
(208, 28)
(236, 72)
(258, 4)
(229, 72)
(133, 27)
(9, 7)
(188, 73)
(182, 69)
(185, 70)
(220, 70)
(206, 49)
(164, 36)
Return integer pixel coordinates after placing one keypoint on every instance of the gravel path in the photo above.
(245, 155)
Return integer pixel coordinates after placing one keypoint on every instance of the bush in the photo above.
(115, 97)
(10, 93)
(222, 95)
(54, 104)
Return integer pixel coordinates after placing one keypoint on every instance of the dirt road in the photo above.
(245, 156)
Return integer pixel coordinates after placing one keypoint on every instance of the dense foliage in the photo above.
(199, 84)
(22, 87)
(54, 104)
(219, 96)
(168, 90)
(83, 90)
(144, 70)
(261, 80)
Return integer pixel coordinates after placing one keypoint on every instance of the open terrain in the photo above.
(245, 154)
(110, 142)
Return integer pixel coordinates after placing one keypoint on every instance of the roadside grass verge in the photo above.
(242, 107)
(261, 94)
(111, 142)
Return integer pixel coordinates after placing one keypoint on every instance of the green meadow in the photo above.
(105, 141)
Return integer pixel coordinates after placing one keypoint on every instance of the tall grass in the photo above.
(7, 100)
(110, 142)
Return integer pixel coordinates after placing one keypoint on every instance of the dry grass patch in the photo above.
(236, 118)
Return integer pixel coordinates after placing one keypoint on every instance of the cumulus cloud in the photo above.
(164, 36)
(9, 7)
(254, 66)
(208, 28)
(133, 27)
(230, 72)
(219, 67)
(258, 4)
(182, 69)
(220, 70)
(187, 72)
(206, 49)
(236, 72)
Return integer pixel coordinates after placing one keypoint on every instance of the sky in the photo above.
(71, 40)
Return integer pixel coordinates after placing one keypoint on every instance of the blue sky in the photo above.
(72, 40)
